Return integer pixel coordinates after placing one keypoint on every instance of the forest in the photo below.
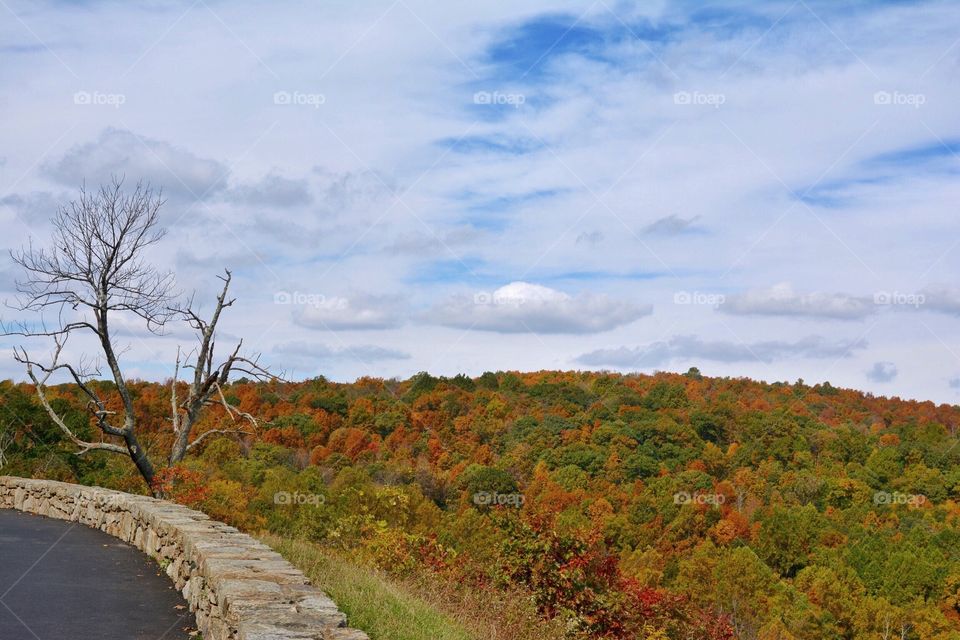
(665, 506)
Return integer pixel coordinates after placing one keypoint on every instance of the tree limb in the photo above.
(40, 384)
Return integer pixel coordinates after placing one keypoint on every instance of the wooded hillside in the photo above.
(664, 506)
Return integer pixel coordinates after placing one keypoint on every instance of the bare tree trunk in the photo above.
(141, 460)
(6, 439)
(206, 388)
(95, 269)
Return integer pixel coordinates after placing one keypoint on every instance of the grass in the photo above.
(388, 608)
(382, 609)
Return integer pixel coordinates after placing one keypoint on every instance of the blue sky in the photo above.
(761, 189)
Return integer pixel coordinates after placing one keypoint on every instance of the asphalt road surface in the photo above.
(65, 581)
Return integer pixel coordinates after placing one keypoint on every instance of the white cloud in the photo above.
(941, 298)
(428, 243)
(122, 153)
(336, 313)
(522, 307)
(591, 237)
(35, 208)
(797, 109)
(214, 261)
(692, 348)
(312, 352)
(302, 358)
(782, 300)
(672, 225)
(273, 190)
(882, 372)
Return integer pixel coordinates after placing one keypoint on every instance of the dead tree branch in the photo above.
(95, 269)
(209, 378)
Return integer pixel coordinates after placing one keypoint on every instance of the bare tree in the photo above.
(206, 388)
(95, 270)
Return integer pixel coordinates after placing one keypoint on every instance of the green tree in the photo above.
(788, 535)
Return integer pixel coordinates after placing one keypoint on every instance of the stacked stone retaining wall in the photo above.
(238, 587)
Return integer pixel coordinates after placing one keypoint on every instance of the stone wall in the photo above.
(238, 587)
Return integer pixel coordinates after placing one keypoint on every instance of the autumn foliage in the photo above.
(657, 507)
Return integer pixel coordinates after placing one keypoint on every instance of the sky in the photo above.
(755, 189)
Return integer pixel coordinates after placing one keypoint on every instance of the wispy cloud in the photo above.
(882, 372)
(782, 300)
(943, 298)
(522, 307)
(34, 208)
(692, 348)
(672, 225)
(122, 153)
(273, 190)
(612, 154)
(352, 313)
(307, 356)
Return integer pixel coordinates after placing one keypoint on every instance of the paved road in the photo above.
(64, 581)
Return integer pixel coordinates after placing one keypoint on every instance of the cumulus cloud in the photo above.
(882, 372)
(9, 272)
(36, 207)
(359, 312)
(592, 237)
(220, 259)
(419, 243)
(273, 191)
(795, 104)
(302, 353)
(941, 298)
(353, 191)
(692, 347)
(782, 300)
(672, 225)
(522, 307)
(120, 153)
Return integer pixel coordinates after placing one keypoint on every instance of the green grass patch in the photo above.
(372, 603)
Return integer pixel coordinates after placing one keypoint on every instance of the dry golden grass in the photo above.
(417, 608)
